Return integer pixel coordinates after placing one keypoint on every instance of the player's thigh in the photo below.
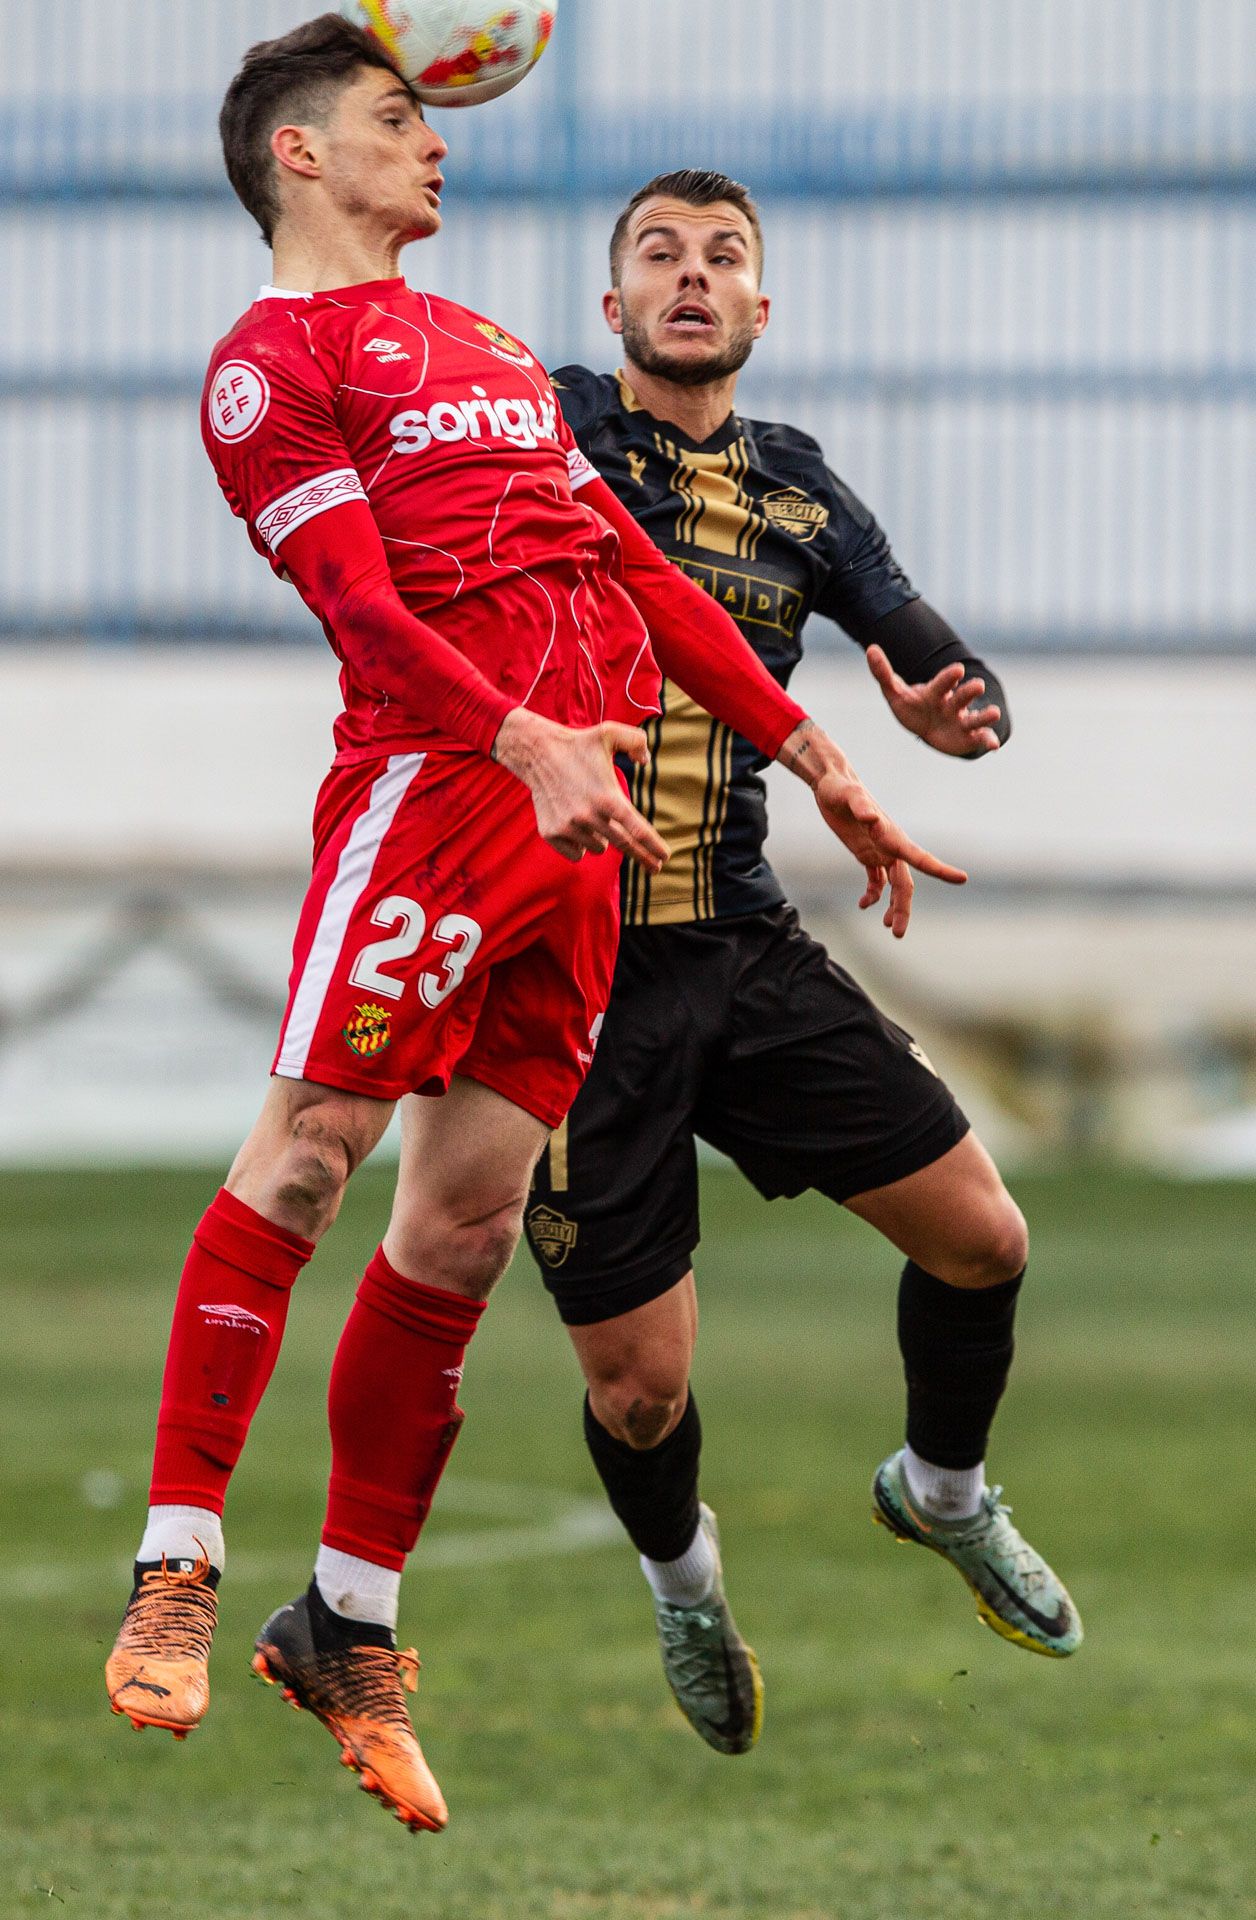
(466, 1161)
(955, 1218)
(817, 1088)
(612, 1220)
(428, 877)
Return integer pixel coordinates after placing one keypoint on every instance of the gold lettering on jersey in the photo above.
(636, 467)
(751, 600)
(795, 512)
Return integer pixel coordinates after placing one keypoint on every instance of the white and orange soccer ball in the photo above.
(458, 53)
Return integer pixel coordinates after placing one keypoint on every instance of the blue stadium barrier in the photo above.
(1013, 264)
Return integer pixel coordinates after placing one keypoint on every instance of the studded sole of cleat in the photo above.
(140, 1725)
(369, 1782)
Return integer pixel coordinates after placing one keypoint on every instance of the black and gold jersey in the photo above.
(756, 518)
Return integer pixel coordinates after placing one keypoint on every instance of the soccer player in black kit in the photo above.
(729, 1023)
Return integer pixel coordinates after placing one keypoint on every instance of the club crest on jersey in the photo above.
(554, 1236)
(504, 346)
(369, 1031)
(795, 512)
(388, 351)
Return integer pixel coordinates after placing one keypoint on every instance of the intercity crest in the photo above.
(795, 512)
(369, 1030)
(553, 1235)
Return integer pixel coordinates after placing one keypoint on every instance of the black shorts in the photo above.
(744, 1033)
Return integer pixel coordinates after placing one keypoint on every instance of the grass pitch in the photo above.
(912, 1765)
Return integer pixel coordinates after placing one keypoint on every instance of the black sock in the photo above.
(332, 1633)
(957, 1348)
(654, 1492)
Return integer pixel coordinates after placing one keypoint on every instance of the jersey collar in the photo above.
(365, 290)
(723, 437)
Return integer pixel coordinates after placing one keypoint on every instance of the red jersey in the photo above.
(448, 428)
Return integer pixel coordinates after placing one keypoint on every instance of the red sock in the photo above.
(228, 1323)
(394, 1411)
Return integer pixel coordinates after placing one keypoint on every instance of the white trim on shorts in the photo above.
(353, 877)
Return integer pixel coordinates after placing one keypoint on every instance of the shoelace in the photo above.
(1028, 1563)
(693, 1659)
(173, 1613)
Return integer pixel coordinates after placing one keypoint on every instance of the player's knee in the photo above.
(323, 1151)
(465, 1256)
(998, 1250)
(642, 1405)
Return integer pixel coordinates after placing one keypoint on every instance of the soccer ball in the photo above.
(458, 53)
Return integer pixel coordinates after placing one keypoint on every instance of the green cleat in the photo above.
(1017, 1593)
(710, 1669)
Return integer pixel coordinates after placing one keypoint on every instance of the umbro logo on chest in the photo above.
(388, 350)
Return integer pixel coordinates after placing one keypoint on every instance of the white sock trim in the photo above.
(183, 1533)
(358, 1589)
(945, 1493)
(685, 1582)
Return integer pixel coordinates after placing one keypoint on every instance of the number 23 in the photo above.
(453, 930)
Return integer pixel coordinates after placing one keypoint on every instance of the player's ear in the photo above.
(762, 317)
(291, 148)
(612, 307)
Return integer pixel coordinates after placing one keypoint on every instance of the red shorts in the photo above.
(440, 935)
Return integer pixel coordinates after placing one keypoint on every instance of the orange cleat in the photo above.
(353, 1679)
(158, 1672)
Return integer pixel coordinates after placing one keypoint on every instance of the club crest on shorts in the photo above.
(553, 1235)
(504, 345)
(369, 1030)
(795, 512)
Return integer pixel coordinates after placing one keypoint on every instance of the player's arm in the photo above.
(699, 647)
(339, 567)
(933, 684)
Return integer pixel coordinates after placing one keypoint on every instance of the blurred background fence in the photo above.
(1012, 245)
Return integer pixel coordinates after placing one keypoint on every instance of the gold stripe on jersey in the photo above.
(682, 795)
(723, 789)
(718, 514)
(686, 791)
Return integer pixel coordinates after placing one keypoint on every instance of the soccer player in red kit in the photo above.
(497, 616)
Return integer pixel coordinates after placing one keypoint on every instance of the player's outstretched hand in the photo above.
(570, 772)
(880, 846)
(849, 810)
(943, 711)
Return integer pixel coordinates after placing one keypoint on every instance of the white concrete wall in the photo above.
(202, 759)
(154, 837)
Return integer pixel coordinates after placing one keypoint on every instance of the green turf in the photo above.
(912, 1766)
